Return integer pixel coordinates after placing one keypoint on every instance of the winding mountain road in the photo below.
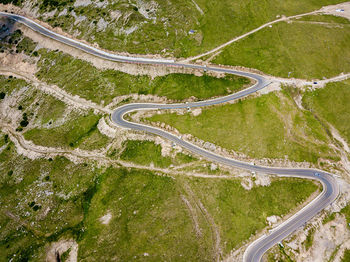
(255, 250)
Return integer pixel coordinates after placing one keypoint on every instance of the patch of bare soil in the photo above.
(251, 179)
(56, 250)
(274, 86)
(342, 10)
(328, 25)
(311, 85)
(106, 218)
(106, 129)
(18, 62)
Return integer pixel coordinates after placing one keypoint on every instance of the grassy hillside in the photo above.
(41, 199)
(48, 121)
(268, 126)
(79, 130)
(81, 78)
(297, 49)
(147, 152)
(240, 213)
(163, 26)
(149, 221)
(331, 104)
(122, 214)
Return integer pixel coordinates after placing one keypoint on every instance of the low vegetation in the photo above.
(140, 212)
(346, 256)
(147, 152)
(149, 221)
(81, 78)
(47, 199)
(329, 217)
(48, 121)
(240, 213)
(346, 212)
(80, 130)
(164, 27)
(309, 238)
(9, 84)
(31, 104)
(331, 104)
(17, 43)
(269, 126)
(293, 50)
(51, 110)
(42, 200)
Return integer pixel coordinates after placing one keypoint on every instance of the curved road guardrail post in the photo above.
(255, 251)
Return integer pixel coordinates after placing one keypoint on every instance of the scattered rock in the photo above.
(106, 218)
(272, 220)
(262, 180)
(105, 129)
(101, 25)
(79, 3)
(213, 167)
(197, 111)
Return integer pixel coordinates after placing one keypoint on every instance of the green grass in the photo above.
(334, 253)
(4, 139)
(268, 126)
(346, 212)
(17, 43)
(346, 256)
(309, 239)
(239, 213)
(9, 84)
(180, 86)
(80, 130)
(39, 107)
(51, 109)
(82, 78)
(331, 103)
(227, 19)
(168, 33)
(26, 45)
(148, 216)
(306, 50)
(46, 195)
(53, 126)
(330, 217)
(147, 152)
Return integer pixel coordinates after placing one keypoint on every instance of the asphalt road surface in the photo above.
(255, 251)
